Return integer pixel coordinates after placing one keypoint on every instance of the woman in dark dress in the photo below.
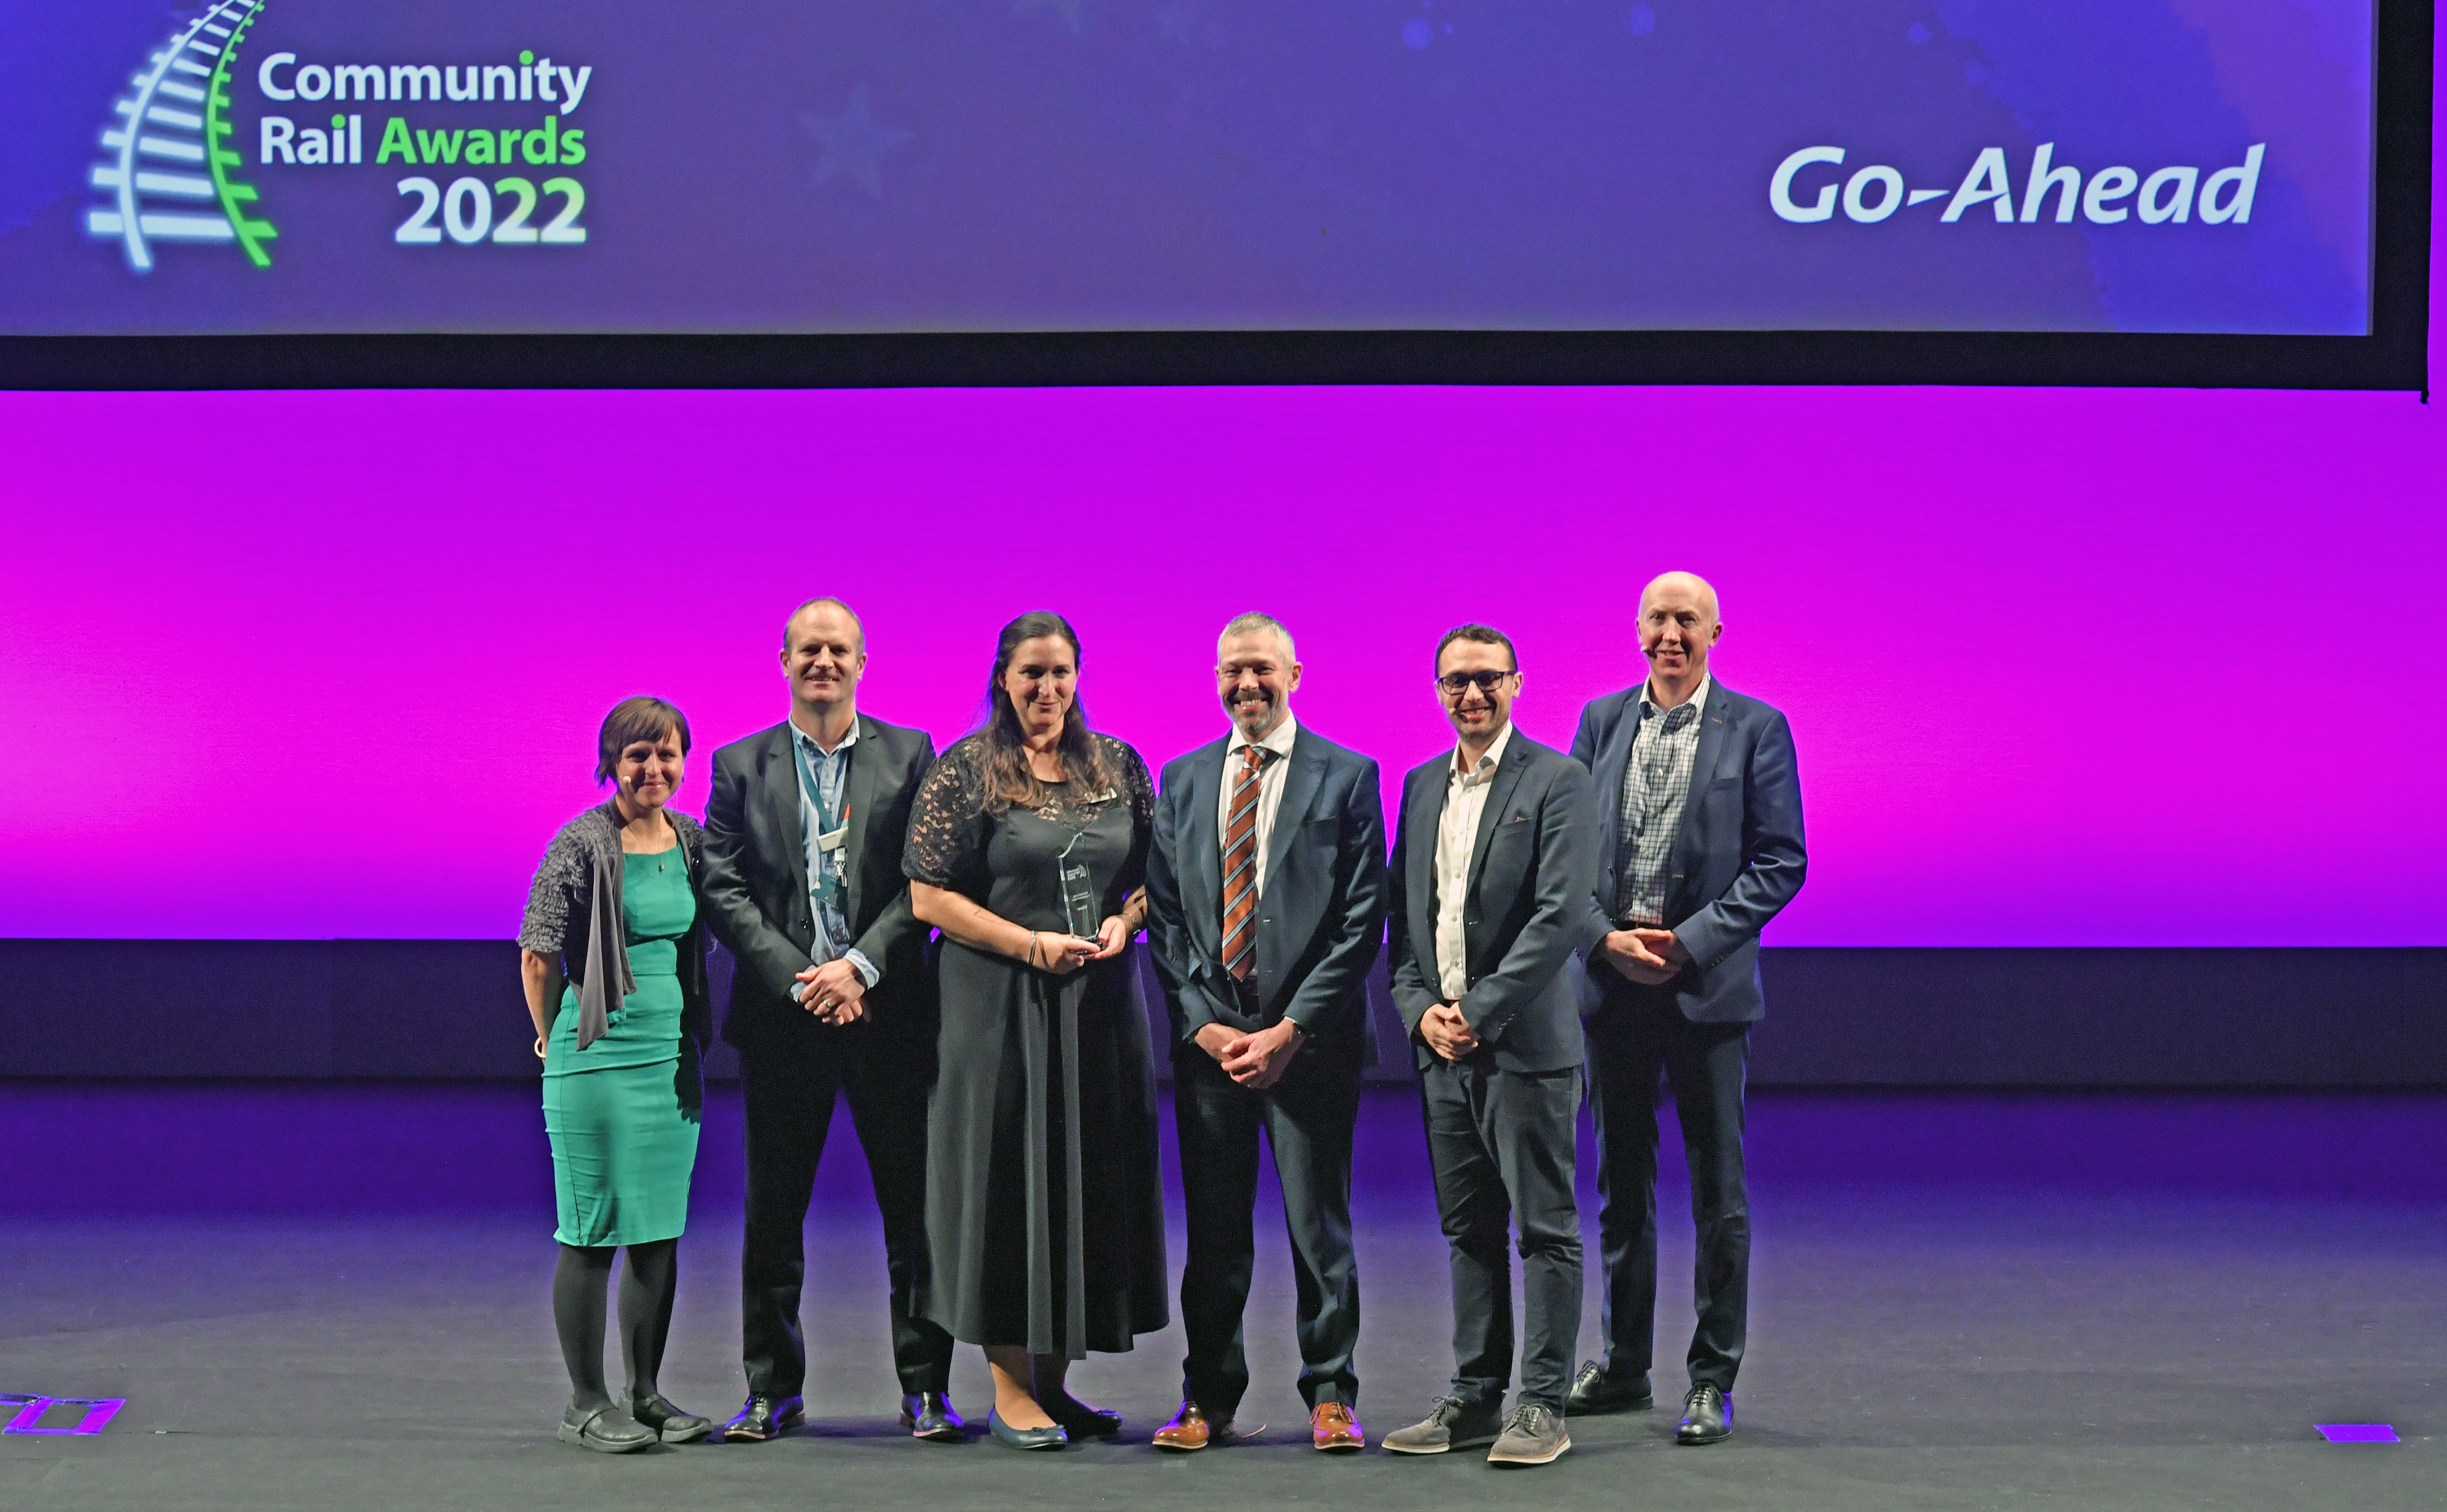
(1044, 1208)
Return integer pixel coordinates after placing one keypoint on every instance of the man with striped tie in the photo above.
(1267, 905)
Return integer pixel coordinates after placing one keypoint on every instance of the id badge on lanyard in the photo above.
(832, 832)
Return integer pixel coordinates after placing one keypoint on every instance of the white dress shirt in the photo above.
(1270, 788)
(1456, 841)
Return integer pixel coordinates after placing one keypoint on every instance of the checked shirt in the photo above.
(1655, 786)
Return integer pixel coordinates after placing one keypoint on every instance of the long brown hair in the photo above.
(1008, 778)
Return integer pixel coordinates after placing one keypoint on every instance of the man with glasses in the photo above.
(1491, 886)
(1266, 904)
(1698, 838)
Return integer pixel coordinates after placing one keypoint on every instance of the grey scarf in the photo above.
(608, 980)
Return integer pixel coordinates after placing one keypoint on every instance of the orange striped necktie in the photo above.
(1241, 867)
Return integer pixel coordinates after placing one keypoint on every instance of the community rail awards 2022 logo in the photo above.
(172, 171)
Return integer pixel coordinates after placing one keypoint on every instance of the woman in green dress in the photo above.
(612, 955)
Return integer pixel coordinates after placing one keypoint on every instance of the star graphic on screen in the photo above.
(854, 143)
(1178, 23)
(1066, 10)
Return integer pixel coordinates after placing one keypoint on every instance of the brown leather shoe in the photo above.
(1190, 1431)
(1333, 1429)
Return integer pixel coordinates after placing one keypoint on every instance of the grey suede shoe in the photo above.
(1452, 1423)
(1533, 1436)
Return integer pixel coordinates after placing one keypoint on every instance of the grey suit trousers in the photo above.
(1502, 1145)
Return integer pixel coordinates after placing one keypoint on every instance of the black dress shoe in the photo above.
(1080, 1420)
(1594, 1392)
(605, 1429)
(674, 1425)
(1707, 1416)
(764, 1417)
(1045, 1438)
(929, 1415)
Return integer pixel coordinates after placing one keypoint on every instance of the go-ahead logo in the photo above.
(2167, 196)
(170, 173)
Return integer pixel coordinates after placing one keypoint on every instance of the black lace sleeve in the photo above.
(1138, 787)
(947, 823)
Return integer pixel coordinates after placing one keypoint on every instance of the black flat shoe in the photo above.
(1047, 1438)
(1707, 1416)
(674, 1425)
(929, 1415)
(606, 1431)
(764, 1417)
(1594, 1394)
(1080, 1420)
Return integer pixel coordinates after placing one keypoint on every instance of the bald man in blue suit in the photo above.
(1699, 845)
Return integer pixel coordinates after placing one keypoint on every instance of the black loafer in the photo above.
(929, 1415)
(764, 1417)
(1594, 1392)
(606, 1431)
(1080, 1420)
(1045, 1438)
(1707, 1416)
(674, 1425)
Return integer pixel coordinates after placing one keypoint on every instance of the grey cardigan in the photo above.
(574, 913)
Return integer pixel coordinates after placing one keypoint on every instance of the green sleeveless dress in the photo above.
(622, 1145)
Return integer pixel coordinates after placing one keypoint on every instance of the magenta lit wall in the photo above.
(2105, 668)
(2066, 667)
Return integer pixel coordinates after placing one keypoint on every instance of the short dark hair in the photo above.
(824, 599)
(1484, 635)
(631, 721)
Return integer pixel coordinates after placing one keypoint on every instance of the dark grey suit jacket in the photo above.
(1736, 860)
(1527, 917)
(1320, 916)
(756, 880)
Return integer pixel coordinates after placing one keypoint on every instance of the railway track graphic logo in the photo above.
(167, 170)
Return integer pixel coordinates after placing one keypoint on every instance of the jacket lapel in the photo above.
(1499, 794)
(1614, 764)
(859, 794)
(778, 769)
(1300, 790)
(1426, 805)
(1713, 741)
(1201, 868)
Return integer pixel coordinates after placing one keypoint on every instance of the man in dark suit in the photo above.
(1698, 840)
(1490, 883)
(833, 993)
(1266, 904)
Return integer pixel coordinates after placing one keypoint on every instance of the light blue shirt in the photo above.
(831, 769)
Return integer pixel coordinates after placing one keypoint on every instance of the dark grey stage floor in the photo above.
(334, 1298)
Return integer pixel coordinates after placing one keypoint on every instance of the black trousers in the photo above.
(1502, 1145)
(1639, 1034)
(1307, 1117)
(790, 1088)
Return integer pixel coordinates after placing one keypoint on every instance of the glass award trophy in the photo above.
(1080, 905)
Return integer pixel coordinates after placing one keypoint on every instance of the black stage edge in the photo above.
(405, 1009)
(2394, 358)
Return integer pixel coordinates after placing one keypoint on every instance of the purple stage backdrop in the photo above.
(2066, 668)
(2080, 667)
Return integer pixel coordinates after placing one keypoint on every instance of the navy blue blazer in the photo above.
(1320, 916)
(1737, 860)
(1526, 920)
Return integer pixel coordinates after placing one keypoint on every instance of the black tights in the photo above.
(648, 1283)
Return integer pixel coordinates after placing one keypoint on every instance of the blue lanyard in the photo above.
(827, 878)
